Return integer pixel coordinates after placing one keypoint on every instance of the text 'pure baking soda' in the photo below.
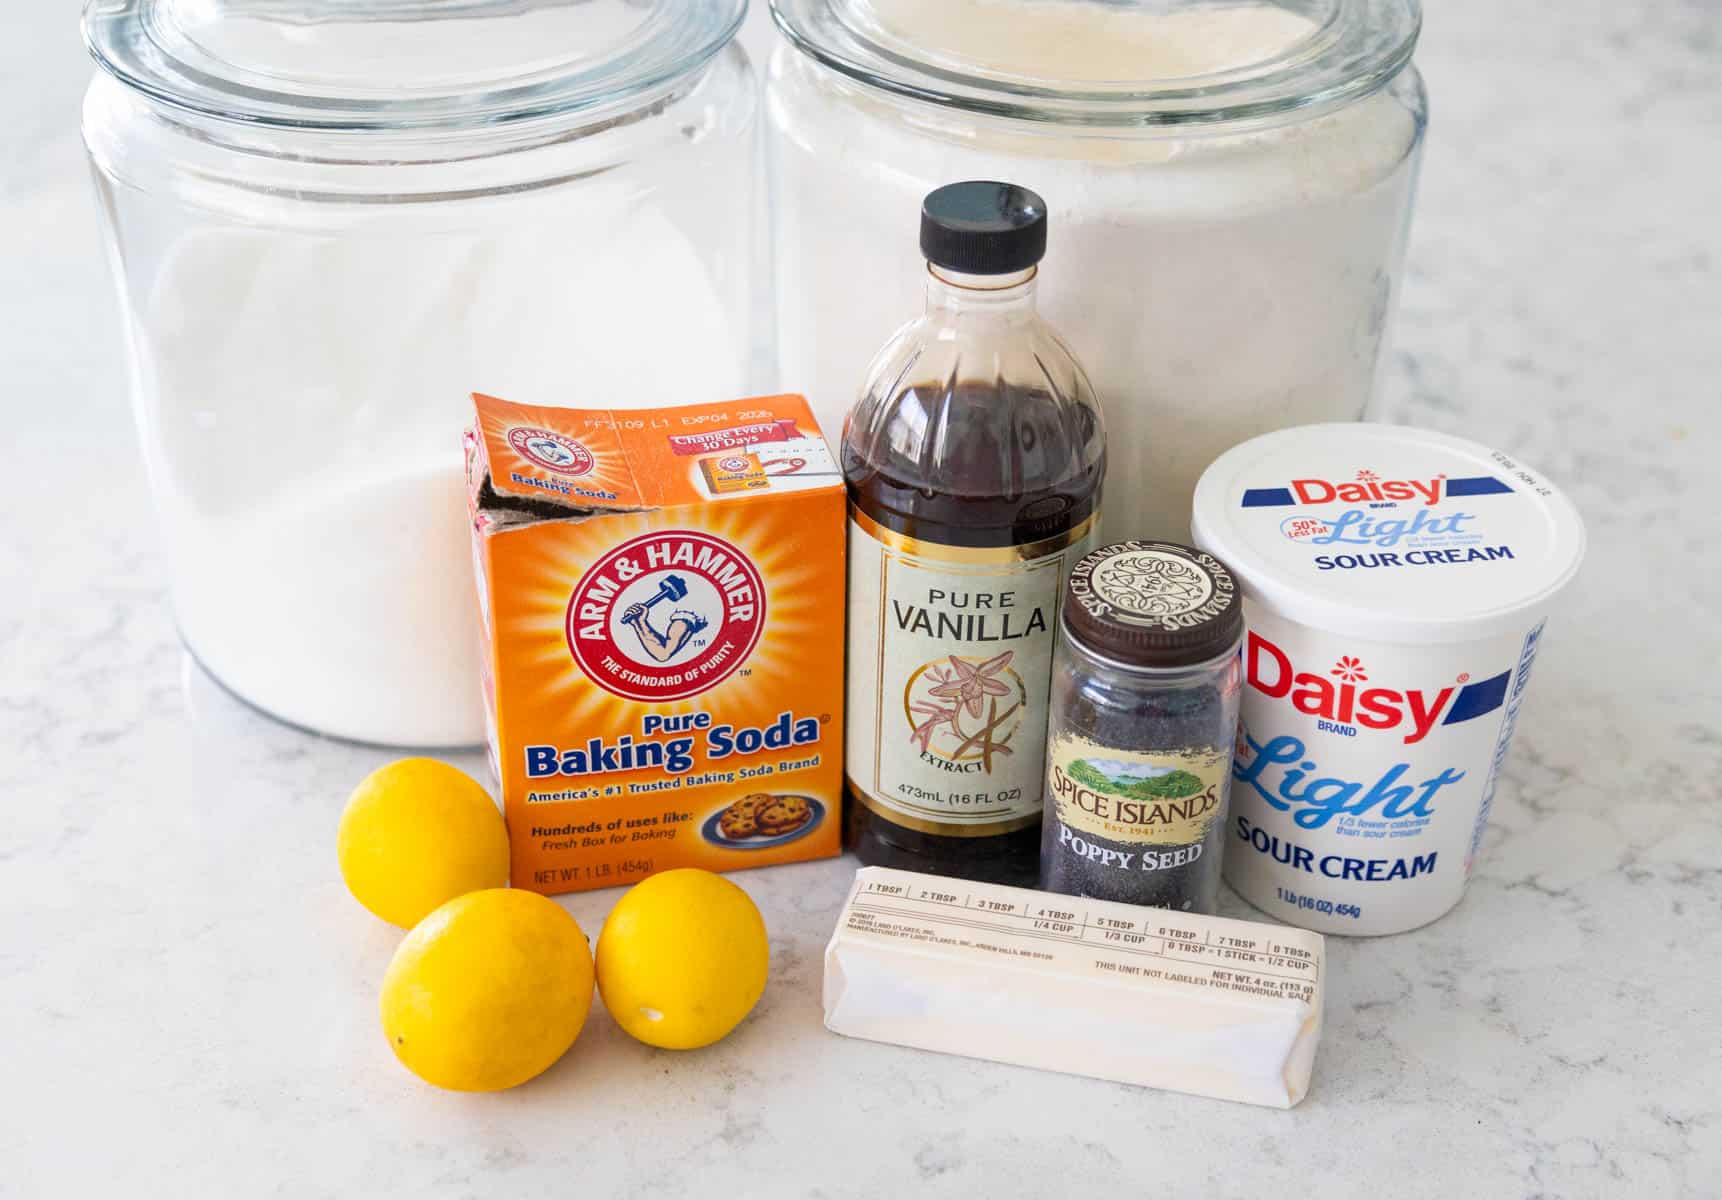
(662, 597)
(1396, 584)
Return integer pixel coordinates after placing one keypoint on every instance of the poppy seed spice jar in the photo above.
(1144, 715)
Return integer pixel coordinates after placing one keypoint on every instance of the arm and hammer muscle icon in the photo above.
(662, 645)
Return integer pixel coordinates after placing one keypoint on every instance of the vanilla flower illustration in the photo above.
(932, 717)
(973, 683)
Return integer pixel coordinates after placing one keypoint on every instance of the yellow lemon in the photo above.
(418, 833)
(488, 991)
(682, 958)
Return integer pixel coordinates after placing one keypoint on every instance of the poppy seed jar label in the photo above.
(1143, 715)
(1123, 798)
(950, 661)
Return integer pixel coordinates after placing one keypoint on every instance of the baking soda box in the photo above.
(662, 596)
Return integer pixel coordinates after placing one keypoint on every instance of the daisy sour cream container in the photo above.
(1396, 583)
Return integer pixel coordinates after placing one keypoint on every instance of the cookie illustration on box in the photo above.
(783, 814)
(762, 819)
(741, 819)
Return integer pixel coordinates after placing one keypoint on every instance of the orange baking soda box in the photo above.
(662, 595)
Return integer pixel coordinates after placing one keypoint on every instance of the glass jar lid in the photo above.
(1112, 62)
(403, 64)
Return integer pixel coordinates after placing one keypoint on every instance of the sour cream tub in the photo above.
(1396, 583)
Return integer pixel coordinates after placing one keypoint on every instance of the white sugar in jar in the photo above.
(331, 223)
(1396, 586)
(1229, 187)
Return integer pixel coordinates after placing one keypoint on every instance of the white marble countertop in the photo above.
(187, 993)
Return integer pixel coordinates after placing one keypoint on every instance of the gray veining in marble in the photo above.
(187, 993)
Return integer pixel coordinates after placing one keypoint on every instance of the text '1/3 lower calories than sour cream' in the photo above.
(1396, 583)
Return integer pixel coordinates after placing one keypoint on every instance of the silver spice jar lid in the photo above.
(1153, 605)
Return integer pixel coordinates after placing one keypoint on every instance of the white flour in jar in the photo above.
(306, 451)
(1216, 285)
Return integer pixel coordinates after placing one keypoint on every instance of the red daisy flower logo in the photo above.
(1349, 669)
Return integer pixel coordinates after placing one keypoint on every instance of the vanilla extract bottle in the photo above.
(974, 460)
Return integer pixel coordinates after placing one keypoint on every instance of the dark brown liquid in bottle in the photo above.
(1020, 472)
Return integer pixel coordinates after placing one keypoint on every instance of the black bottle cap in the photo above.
(983, 228)
(1153, 605)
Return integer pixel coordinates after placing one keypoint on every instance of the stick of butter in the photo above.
(1206, 1005)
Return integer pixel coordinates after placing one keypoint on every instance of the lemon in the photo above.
(417, 833)
(488, 991)
(682, 958)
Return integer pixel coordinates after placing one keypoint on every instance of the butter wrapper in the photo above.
(1187, 1003)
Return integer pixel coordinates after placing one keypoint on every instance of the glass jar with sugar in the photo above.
(1232, 184)
(332, 221)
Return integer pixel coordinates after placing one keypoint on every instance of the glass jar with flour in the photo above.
(332, 221)
(1231, 187)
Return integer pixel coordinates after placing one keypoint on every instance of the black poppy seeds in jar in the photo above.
(1144, 713)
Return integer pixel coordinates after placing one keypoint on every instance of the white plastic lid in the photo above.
(1389, 533)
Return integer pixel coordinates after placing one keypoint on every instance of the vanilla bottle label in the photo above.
(950, 660)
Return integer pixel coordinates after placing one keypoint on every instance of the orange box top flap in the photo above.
(622, 459)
